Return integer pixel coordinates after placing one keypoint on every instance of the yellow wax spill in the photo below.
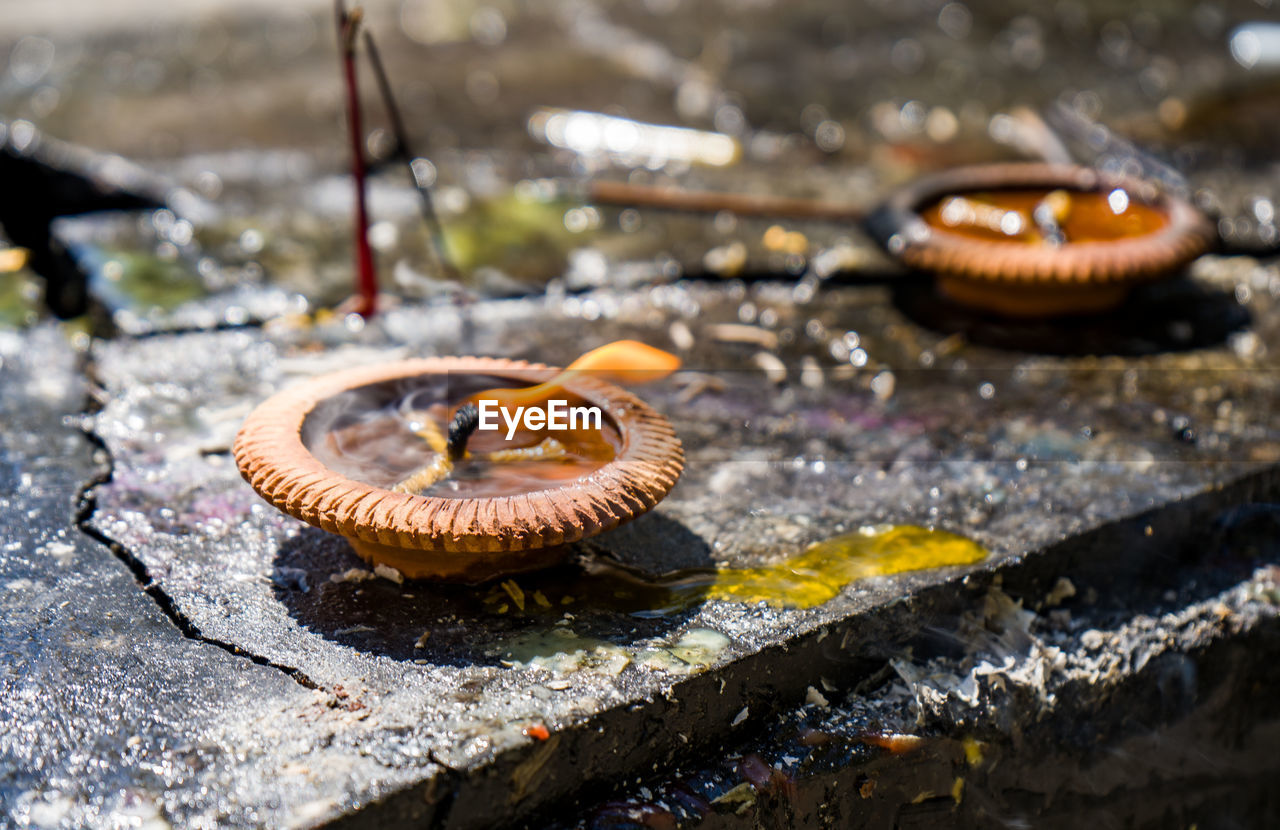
(825, 568)
(805, 580)
(622, 361)
(808, 579)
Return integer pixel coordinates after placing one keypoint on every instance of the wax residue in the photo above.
(805, 580)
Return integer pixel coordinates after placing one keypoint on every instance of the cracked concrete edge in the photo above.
(667, 731)
(920, 789)
(1142, 680)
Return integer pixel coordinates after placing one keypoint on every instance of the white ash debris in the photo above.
(1015, 660)
(1002, 658)
(351, 575)
(816, 698)
(1064, 589)
(388, 572)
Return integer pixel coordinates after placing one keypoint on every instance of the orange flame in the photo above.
(622, 361)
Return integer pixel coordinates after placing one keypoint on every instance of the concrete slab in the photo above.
(1080, 466)
(188, 658)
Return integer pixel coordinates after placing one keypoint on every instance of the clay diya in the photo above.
(1035, 240)
(364, 453)
(1019, 239)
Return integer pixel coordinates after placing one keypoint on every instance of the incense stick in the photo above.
(367, 278)
(436, 244)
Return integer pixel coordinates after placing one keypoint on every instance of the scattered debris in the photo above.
(352, 575)
(742, 797)
(515, 592)
(1062, 589)
(741, 333)
(388, 572)
(772, 366)
(726, 260)
(680, 336)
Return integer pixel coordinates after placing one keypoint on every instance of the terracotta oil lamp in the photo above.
(1017, 239)
(375, 454)
(1038, 240)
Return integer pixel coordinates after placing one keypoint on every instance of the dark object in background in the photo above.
(44, 179)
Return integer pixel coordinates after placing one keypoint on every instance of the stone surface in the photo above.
(1080, 466)
(175, 651)
(115, 710)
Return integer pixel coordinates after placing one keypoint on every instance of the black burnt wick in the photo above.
(464, 422)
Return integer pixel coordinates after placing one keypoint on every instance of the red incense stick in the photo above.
(366, 276)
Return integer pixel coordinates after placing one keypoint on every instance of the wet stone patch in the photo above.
(807, 411)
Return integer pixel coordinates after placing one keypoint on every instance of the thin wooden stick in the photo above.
(367, 277)
(700, 201)
(436, 245)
